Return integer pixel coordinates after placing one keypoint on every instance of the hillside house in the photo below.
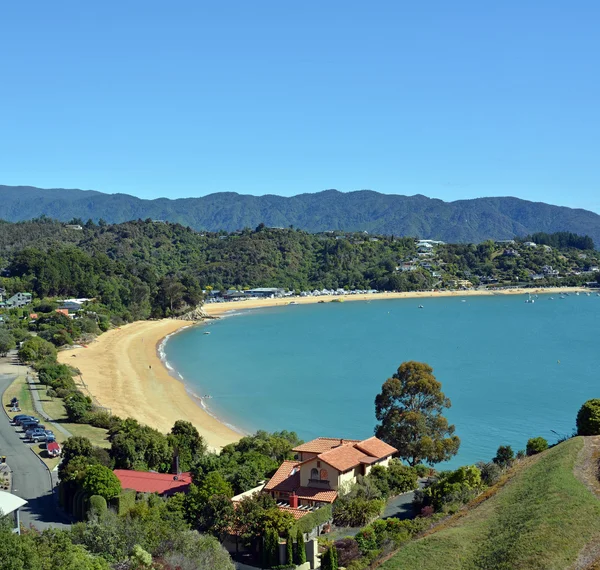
(18, 300)
(323, 465)
(164, 484)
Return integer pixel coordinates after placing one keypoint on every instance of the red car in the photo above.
(53, 448)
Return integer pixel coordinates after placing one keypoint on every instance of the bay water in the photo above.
(513, 370)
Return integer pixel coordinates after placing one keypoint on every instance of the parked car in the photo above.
(53, 448)
(41, 435)
(38, 429)
(32, 425)
(29, 420)
(21, 417)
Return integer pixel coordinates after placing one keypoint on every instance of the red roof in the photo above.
(149, 482)
(283, 480)
(323, 444)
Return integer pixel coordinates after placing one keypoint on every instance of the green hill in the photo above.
(541, 519)
(457, 222)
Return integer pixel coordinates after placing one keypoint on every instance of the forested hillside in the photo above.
(141, 268)
(458, 222)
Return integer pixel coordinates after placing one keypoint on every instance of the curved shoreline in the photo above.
(124, 371)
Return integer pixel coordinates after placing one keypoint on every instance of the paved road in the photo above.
(34, 389)
(401, 507)
(31, 479)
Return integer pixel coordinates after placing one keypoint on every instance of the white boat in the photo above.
(206, 332)
(420, 306)
(530, 300)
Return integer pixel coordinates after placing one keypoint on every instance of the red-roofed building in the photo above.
(323, 466)
(150, 482)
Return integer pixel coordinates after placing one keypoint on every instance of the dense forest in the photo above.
(142, 269)
(462, 221)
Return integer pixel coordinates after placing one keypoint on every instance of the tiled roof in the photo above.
(375, 447)
(342, 458)
(296, 513)
(283, 480)
(147, 482)
(313, 494)
(323, 444)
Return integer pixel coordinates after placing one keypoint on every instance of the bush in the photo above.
(97, 505)
(100, 480)
(348, 551)
(588, 418)
(401, 478)
(125, 501)
(317, 518)
(103, 419)
(422, 470)
(51, 393)
(78, 407)
(504, 456)
(356, 511)
(490, 472)
(458, 486)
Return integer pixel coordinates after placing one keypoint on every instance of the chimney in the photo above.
(293, 500)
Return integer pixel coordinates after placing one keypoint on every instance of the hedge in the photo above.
(308, 522)
(125, 501)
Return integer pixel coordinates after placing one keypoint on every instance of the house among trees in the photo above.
(164, 484)
(17, 300)
(323, 465)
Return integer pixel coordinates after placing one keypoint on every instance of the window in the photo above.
(318, 464)
(314, 474)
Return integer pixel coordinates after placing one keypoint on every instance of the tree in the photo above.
(300, 555)
(536, 445)
(289, 550)
(36, 349)
(588, 418)
(187, 443)
(329, 559)
(504, 456)
(409, 409)
(100, 480)
(7, 342)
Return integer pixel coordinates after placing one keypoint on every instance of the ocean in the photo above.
(513, 370)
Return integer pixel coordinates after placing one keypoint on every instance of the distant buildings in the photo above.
(17, 301)
(149, 482)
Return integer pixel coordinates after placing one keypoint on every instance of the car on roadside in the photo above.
(21, 417)
(31, 425)
(41, 435)
(37, 429)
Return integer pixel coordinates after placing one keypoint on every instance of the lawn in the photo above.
(55, 408)
(540, 519)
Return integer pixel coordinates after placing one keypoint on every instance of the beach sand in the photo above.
(123, 372)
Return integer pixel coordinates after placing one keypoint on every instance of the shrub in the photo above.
(401, 478)
(348, 551)
(102, 419)
(458, 486)
(125, 501)
(78, 407)
(51, 393)
(300, 553)
(588, 418)
(97, 505)
(356, 511)
(422, 470)
(308, 522)
(100, 480)
(427, 511)
(490, 472)
(504, 456)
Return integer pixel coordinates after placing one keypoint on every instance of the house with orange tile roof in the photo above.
(321, 467)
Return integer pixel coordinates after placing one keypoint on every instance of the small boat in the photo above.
(206, 332)
(530, 300)
(588, 294)
(421, 307)
(464, 301)
(577, 293)
(292, 303)
(552, 298)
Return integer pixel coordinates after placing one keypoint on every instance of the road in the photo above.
(401, 507)
(31, 479)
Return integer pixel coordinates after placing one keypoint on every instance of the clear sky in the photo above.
(448, 99)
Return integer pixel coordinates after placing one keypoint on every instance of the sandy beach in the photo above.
(123, 371)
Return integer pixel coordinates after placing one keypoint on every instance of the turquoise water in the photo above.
(512, 370)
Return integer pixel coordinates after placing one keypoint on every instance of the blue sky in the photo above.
(448, 99)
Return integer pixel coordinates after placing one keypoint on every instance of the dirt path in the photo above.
(587, 470)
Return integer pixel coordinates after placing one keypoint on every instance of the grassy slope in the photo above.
(541, 519)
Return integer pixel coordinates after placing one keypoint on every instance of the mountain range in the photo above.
(460, 221)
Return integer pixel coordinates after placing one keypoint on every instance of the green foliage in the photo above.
(490, 472)
(271, 548)
(187, 444)
(141, 558)
(314, 519)
(356, 511)
(100, 480)
(394, 479)
(7, 342)
(458, 486)
(329, 560)
(409, 409)
(504, 456)
(536, 445)
(97, 505)
(588, 418)
(36, 349)
(125, 501)
(300, 550)
(136, 446)
(78, 407)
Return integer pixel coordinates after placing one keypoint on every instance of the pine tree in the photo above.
(326, 560)
(289, 550)
(300, 548)
(334, 558)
